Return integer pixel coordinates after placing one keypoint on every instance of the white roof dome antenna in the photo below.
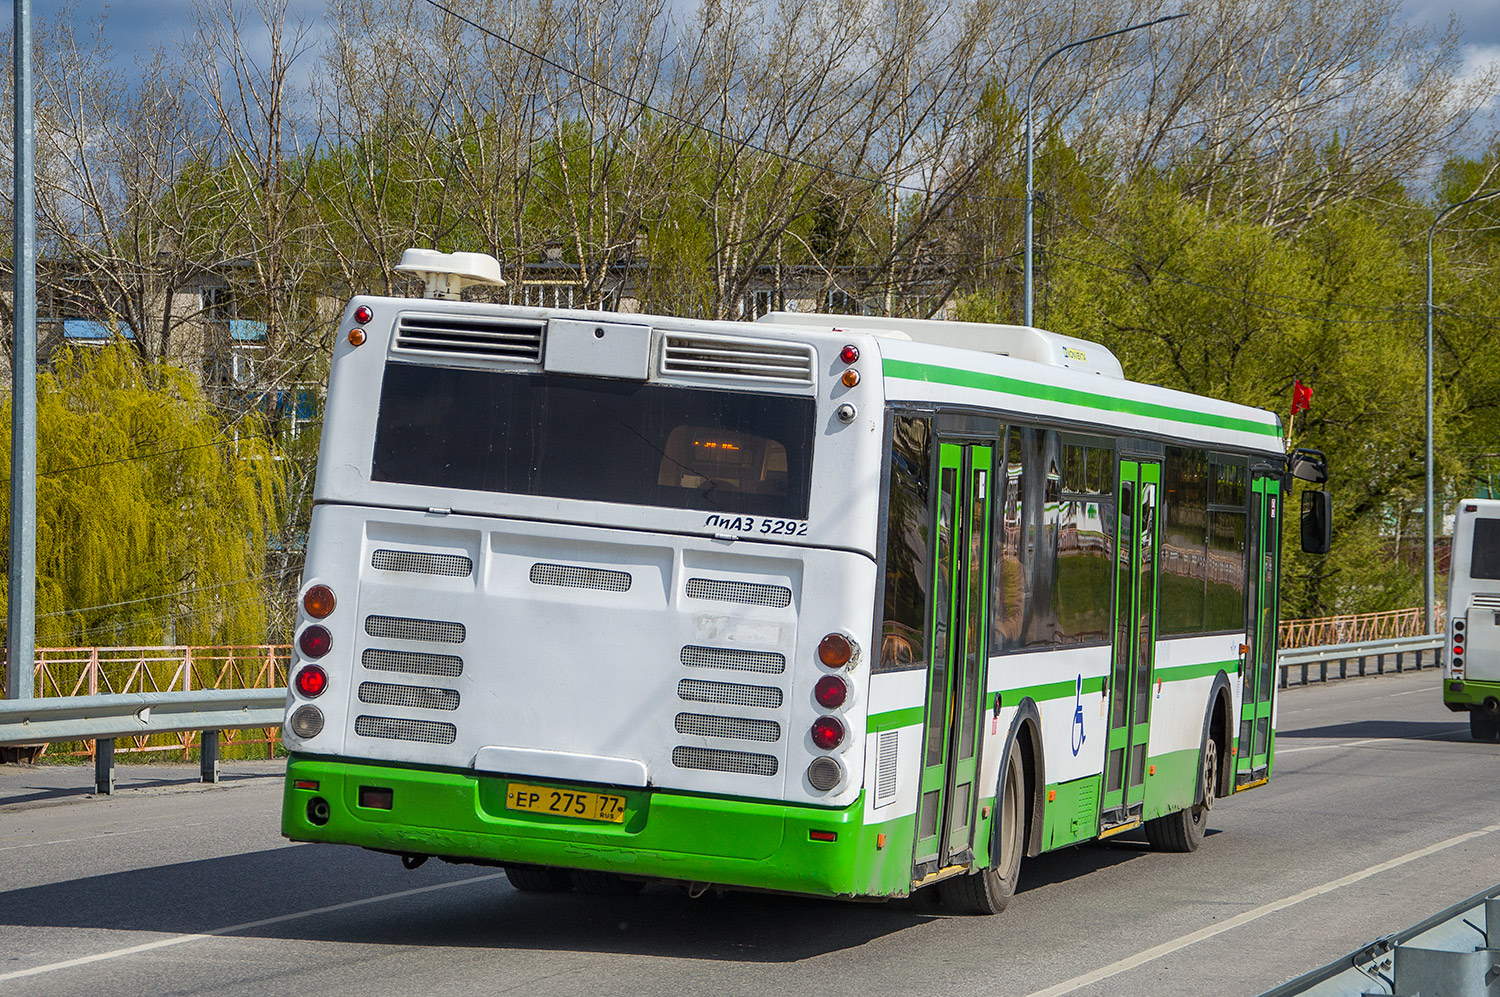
(447, 274)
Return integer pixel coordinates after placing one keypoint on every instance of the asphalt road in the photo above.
(1381, 813)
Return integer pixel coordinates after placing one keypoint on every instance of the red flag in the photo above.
(1301, 397)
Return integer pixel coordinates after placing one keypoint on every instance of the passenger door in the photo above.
(1253, 760)
(955, 689)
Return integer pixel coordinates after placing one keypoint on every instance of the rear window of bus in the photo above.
(595, 440)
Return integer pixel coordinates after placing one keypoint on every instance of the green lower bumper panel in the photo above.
(1462, 693)
(663, 835)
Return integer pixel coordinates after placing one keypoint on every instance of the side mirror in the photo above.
(1317, 522)
(1309, 465)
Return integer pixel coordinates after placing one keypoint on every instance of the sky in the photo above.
(134, 27)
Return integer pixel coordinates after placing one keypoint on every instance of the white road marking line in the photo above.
(1202, 934)
(106, 834)
(1425, 692)
(1370, 740)
(246, 926)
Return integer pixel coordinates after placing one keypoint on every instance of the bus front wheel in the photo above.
(989, 890)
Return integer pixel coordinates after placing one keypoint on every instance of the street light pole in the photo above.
(20, 610)
(1030, 189)
(1429, 586)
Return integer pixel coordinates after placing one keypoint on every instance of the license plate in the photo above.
(565, 803)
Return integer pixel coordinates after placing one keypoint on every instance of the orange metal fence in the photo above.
(1355, 627)
(92, 671)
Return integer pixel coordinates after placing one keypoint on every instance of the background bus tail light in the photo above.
(312, 681)
(828, 733)
(319, 602)
(315, 641)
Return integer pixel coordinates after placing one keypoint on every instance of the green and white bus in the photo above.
(1471, 670)
(830, 605)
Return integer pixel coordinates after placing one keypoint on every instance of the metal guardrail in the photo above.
(1332, 661)
(104, 718)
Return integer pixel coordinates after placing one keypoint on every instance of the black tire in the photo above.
(1483, 726)
(989, 890)
(605, 884)
(538, 879)
(1183, 831)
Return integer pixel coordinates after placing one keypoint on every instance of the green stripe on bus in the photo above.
(933, 374)
(1182, 673)
(1051, 690)
(896, 718)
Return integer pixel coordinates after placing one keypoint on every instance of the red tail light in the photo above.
(830, 692)
(311, 681)
(849, 354)
(362, 315)
(315, 641)
(827, 733)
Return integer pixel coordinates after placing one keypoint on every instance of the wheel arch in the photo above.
(1025, 736)
(1218, 723)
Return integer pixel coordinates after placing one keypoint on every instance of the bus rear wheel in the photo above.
(1183, 830)
(989, 890)
(1483, 725)
(538, 879)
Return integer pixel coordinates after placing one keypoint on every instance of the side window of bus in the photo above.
(1054, 546)
(1227, 502)
(908, 573)
(1184, 541)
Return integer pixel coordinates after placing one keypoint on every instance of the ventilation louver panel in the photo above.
(743, 728)
(714, 760)
(412, 663)
(415, 697)
(1485, 602)
(738, 359)
(398, 729)
(570, 576)
(403, 628)
(729, 694)
(513, 340)
(734, 659)
(452, 565)
(749, 593)
(885, 767)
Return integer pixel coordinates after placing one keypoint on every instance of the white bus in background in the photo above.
(831, 605)
(1471, 673)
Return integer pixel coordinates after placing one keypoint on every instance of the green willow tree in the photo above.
(152, 516)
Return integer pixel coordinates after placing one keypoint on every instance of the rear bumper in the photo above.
(1461, 693)
(462, 815)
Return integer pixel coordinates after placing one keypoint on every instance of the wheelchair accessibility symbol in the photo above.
(1078, 735)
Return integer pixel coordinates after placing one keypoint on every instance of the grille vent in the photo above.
(580, 578)
(714, 760)
(403, 628)
(767, 662)
(737, 359)
(453, 565)
(707, 726)
(413, 696)
(396, 729)
(729, 694)
(381, 660)
(1485, 602)
(745, 592)
(885, 767)
(516, 340)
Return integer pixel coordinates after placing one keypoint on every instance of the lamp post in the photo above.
(1429, 587)
(1030, 189)
(20, 610)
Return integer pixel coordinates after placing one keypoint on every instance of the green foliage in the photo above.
(152, 517)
